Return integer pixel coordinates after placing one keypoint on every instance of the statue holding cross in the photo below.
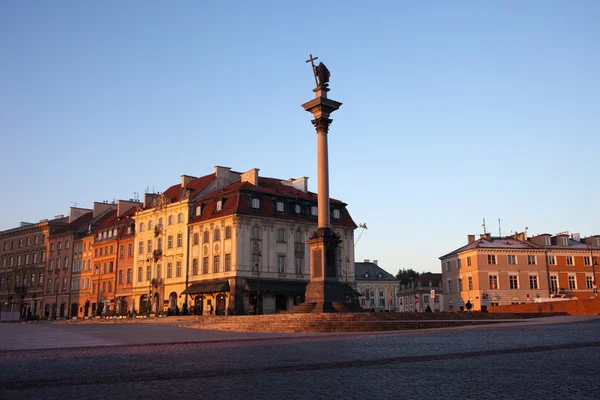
(320, 72)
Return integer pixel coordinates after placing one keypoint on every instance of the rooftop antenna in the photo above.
(499, 227)
(147, 189)
(484, 230)
(362, 226)
(74, 203)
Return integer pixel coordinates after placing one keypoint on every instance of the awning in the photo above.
(274, 286)
(207, 287)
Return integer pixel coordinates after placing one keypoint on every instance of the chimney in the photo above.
(148, 198)
(186, 179)
(75, 212)
(300, 184)
(375, 262)
(486, 236)
(521, 236)
(470, 238)
(224, 177)
(367, 260)
(251, 176)
(99, 208)
(123, 206)
(58, 216)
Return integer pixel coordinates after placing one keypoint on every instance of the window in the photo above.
(281, 235)
(469, 283)
(533, 282)
(158, 271)
(198, 211)
(179, 239)
(128, 275)
(512, 260)
(255, 261)
(18, 260)
(449, 283)
(149, 246)
(169, 270)
(196, 238)
(493, 281)
(121, 276)
(101, 251)
(195, 266)
(563, 241)
(103, 287)
(589, 282)
(554, 284)
(468, 261)
(279, 206)
(217, 234)
(255, 203)
(216, 264)
(513, 282)
(26, 259)
(179, 218)
(298, 263)
(491, 258)
(458, 263)
(50, 264)
(297, 208)
(178, 269)
(170, 220)
(20, 243)
(110, 267)
(150, 223)
(448, 266)
(570, 260)
(219, 205)
(255, 233)
(205, 237)
(159, 243)
(280, 264)
(141, 247)
(298, 237)
(28, 242)
(227, 262)
(122, 251)
(141, 227)
(169, 242)
(314, 210)
(148, 272)
(140, 272)
(572, 284)
(205, 265)
(531, 260)
(546, 241)
(59, 245)
(66, 264)
(587, 261)
(460, 285)
(551, 260)
(336, 214)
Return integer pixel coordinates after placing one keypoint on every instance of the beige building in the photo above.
(379, 290)
(227, 239)
(426, 290)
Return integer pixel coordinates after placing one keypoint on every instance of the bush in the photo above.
(169, 312)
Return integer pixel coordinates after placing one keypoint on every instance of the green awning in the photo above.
(274, 286)
(207, 287)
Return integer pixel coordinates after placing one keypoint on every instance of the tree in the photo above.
(406, 276)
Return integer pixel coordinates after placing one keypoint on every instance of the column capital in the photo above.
(322, 124)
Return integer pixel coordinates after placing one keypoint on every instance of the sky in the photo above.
(452, 111)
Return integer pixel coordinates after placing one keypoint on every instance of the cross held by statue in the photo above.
(314, 69)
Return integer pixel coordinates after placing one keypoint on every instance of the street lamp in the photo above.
(258, 256)
(21, 291)
(594, 265)
(98, 290)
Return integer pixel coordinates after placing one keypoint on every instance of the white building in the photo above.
(378, 288)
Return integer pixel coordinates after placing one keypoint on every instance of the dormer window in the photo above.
(198, 211)
(546, 240)
(279, 206)
(255, 203)
(366, 274)
(336, 214)
(314, 210)
(297, 209)
(563, 241)
(219, 205)
(380, 275)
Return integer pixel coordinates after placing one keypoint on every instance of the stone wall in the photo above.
(573, 307)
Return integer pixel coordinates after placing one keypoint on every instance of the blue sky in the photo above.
(453, 111)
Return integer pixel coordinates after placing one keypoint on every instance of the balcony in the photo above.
(157, 254)
(156, 281)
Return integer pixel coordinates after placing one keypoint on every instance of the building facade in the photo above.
(424, 291)
(379, 290)
(516, 269)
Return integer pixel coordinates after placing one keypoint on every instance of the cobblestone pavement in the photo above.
(551, 361)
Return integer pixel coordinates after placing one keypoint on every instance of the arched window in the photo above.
(205, 238)
(180, 218)
(160, 223)
(217, 234)
(219, 205)
(150, 223)
(170, 220)
(141, 227)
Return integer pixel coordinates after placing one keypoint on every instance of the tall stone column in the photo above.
(326, 291)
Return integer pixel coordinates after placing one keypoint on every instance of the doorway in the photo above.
(221, 304)
(280, 302)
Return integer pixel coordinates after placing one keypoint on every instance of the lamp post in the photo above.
(97, 268)
(256, 311)
(21, 291)
(594, 265)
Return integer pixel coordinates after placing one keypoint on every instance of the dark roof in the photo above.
(214, 286)
(374, 272)
(275, 286)
(75, 225)
(426, 277)
(237, 199)
(508, 242)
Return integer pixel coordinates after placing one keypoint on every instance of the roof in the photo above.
(275, 286)
(237, 199)
(175, 193)
(494, 243)
(214, 286)
(428, 277)
(75, 225)
(373, 272)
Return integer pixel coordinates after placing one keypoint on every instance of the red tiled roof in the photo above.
(174, 193)
(75, 225)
